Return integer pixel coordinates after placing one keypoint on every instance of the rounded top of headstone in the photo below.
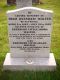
(32, 8)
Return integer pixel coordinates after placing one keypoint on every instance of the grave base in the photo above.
(30, 63)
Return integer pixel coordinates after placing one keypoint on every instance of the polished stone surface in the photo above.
(29, 63)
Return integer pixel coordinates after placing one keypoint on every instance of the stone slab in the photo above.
(14, 64)
(23, 3)
(29, 31)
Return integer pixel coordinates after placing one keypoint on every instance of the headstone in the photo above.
(23, 3)
(29, 32)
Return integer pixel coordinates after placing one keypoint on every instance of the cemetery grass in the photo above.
(55, 44)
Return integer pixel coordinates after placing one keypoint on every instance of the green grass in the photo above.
(55, 44)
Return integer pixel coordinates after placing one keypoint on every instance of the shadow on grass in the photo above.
(32, 75)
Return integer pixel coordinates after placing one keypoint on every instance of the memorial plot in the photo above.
(29, 32)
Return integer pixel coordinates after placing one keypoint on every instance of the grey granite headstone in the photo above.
(29, 31)
(23, 3)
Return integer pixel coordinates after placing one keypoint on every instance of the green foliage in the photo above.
(55, 44)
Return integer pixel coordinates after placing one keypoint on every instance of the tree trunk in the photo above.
(37, 1)
(9, 2)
